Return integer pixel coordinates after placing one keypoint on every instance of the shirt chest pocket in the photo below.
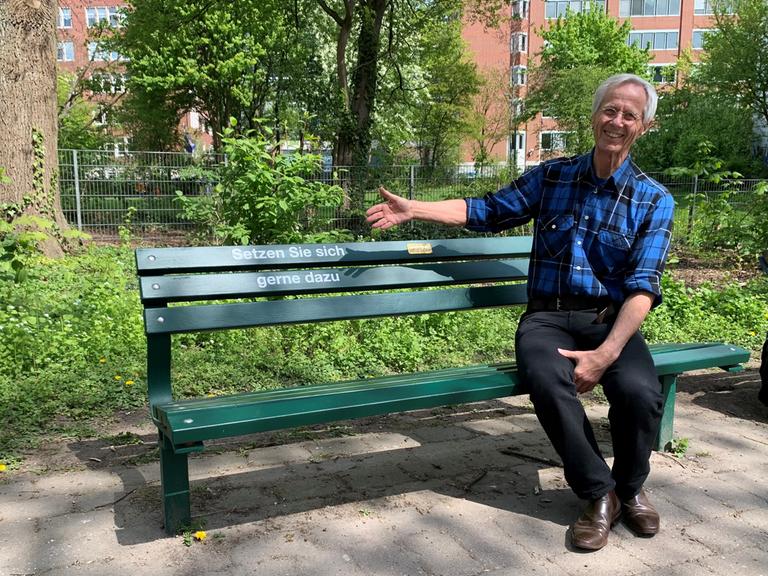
(611, 252)
(555, 233)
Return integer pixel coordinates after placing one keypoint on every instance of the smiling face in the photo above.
(618, 122)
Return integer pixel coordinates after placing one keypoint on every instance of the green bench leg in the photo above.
(666, 429)
(174, 482)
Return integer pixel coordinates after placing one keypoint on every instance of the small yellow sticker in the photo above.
(419, 248)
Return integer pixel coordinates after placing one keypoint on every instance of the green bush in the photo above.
(735, 314)
(263, 196)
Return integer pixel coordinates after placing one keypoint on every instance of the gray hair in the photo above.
(649, 112)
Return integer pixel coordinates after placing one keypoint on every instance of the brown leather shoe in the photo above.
(590, 532)
(640, 516)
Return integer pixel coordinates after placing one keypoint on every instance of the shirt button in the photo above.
(554, 226)
(578, 243)
(578, 267)
(586, 217)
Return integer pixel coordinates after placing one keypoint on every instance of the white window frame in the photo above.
(519, 42)
(95, 15)
(518, 76)
(559, 140)
(576, 6)
(96, 54)
(700, 32)
(704, 7)
(520, 8)
(65, 51)
(625, 9)
(516, 107)
(64, 22)
(653, 44)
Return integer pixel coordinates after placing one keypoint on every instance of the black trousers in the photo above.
(630, 384)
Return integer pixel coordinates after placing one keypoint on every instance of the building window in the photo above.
(519, 42)
(551, 141)
(98, 54)
(708, 6)
(109, 15)
(106, 83)
(654, 39)
(661, 74)
(558, 8)
(697, 40)
(65, 18)
(517, 107)
(520, 8)
(65, 52)
(101, 118)
(516, 143)
(649, 8)
(518, 75)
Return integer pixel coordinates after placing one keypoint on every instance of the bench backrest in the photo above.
(245, 286)
(286, 284)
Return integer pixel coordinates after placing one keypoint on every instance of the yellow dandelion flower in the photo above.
(118, 377)
(200, 535)
(2, 467)
(102, 360)
(129, 382)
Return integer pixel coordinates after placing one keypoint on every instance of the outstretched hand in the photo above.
(395, 210)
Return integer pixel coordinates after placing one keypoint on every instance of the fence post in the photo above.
(692, 205)
(78, 208)
(411, 181)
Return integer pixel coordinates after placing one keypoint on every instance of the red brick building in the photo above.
(668, 26)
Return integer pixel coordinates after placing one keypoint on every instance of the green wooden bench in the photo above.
(248, 286)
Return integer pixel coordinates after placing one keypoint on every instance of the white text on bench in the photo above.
(292, 252)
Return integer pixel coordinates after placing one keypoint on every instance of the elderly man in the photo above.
(602, 234)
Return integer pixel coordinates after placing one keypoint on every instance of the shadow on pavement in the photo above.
(731, 394)
(502, 471)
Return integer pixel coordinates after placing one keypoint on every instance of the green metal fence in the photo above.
(104, 190)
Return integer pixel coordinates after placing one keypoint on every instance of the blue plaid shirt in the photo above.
(592, 237)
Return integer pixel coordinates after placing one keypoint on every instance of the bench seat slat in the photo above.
(334, 387)
(303, 405)
(680, 358)
(307, 409)
(177, 288)
(243, 315)
(216, 258)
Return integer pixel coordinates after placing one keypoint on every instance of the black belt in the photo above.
(569, 303)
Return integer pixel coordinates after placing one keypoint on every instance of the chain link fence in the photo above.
(102, 191)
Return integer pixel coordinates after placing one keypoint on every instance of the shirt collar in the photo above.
(616, 181)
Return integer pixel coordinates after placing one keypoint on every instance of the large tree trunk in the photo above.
(28, 127)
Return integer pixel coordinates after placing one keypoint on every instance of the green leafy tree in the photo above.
(734, 61)
(77, 117)
(373, 38)
(440, 107)
(581, 50)
(222, 59)
(491, 114)
(687, 118)
(28, 140)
